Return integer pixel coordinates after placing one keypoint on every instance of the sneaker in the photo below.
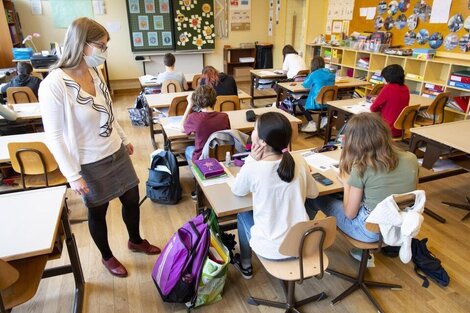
(194, 195)
(247, 273)
(323, 122)
(310, 127)
(357, 255)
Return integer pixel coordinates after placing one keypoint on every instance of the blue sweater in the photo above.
(315, 81)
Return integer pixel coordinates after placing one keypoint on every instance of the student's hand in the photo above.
(256, 152)
(130, 149)
(79, 186)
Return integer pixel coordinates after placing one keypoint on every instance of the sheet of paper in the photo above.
(363, 11)
(359, 108)
(148, 78)
(267, 73)
(319, 161)
(36, 7)
(440, 11)
(337, 27)
(370, 13)
(173, 122)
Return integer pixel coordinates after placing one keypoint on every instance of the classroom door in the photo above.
(296, 24)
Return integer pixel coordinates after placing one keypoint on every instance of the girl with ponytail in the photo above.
(280, 183)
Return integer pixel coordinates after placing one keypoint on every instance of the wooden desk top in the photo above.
(163, 100)
(268, 73)
(27, 111)
(349, 82)
(4, 140)
(225, 203)
(149, 83)
(454, 134)
(237, 121)
(29, 221)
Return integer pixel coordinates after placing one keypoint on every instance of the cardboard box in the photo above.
(242, 73)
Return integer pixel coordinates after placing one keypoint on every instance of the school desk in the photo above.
(4, 140)
(27, 111)
(256, 75)
(29, 226)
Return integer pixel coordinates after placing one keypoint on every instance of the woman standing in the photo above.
(89, 145)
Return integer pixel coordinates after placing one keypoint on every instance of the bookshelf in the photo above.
(420, 74)
(234, 58)
(10, 32)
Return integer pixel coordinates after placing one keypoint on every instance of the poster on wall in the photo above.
(340, 10)
(240, 15)
(221, 18)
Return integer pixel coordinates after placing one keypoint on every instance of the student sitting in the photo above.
(371, 169)
(280, 183)
(169, 61)
(204, 121)
(293, 62)
(318, 78)
(24, 79)
(393, 97)
(223, 84)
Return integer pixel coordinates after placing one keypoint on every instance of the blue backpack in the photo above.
(426, 263)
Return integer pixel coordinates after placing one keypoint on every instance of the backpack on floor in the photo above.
(425, 262)
(179, 267)
(163, 183)
(139, 113)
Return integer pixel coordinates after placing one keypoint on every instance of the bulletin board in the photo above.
(176, 25)
(455, 39)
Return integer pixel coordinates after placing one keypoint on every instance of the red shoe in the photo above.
(144, 247)
(115, 267)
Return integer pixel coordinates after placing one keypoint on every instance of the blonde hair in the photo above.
(368, 144)
(83, 30)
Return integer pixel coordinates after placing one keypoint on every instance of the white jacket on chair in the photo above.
(398, 226)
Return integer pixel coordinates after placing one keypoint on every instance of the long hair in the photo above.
(316, 63)
(288, 49)
(275, 129)
(210, 76)
(82, 30)
(368, 144)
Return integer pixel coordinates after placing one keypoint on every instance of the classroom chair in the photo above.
(376, 90)
(306, 242)
(36, 164)
(196, 81)
(227, 103)
(434, 114)
(178, 106)
(171, 85)
(405, 121)
(327, 93)
(219, 152)
(301, 75)
(20, 95)
(359, 281)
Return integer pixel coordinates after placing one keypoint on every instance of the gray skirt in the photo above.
(108, 178)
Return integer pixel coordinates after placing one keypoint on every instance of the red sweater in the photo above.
(392, 99)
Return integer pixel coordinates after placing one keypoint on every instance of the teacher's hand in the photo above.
(79, 186)
(130, 149)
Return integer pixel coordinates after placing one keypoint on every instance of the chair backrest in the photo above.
(20, 95)
(437, 107)
(376, 90)
(219, 151)
(171, 85)
(196, 81)
(31, 158)
(301, 75)
(178, 106)
(327, 93)
(227, 103)
(309, 239)
(406, 119)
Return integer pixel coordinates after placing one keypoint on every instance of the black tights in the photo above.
(130, 215)
(304, 111)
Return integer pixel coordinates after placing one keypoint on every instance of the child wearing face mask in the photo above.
(85, 138)
(280, 183)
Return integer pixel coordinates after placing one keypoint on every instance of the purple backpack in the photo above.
(178, 268)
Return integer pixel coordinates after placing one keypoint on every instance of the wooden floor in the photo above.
(137, 293)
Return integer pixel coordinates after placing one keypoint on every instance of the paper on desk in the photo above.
(148, 78)
(173, 122)
(319, 161)
(360, 107)
(267, 73)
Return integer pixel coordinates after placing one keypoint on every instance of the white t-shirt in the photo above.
(277, 205)
(293, 63)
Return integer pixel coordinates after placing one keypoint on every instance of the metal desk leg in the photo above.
(329, 114)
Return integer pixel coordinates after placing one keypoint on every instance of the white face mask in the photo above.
(96, 58)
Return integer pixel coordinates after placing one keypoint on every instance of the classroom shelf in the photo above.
(232, 59)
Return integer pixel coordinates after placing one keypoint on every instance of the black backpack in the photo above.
(164, 187)
(139, 113)
(425, 262)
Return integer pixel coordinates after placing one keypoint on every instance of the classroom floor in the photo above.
(137, 293)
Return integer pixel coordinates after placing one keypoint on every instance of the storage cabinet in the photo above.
(236, 58)
(10, 32)
(421, 76)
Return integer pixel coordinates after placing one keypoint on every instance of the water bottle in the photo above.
(228, 158)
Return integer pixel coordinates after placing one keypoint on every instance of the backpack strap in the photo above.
(425, 283)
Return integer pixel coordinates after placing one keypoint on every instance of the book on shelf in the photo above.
(464, 73)
(460, 78)
(428, 95)
(461, 102)
(453, 105)
(414, 76)
(459, 84)
(433, 87)
(209, 168)
(247, 60)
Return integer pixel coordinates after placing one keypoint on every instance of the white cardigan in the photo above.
(65, 130)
